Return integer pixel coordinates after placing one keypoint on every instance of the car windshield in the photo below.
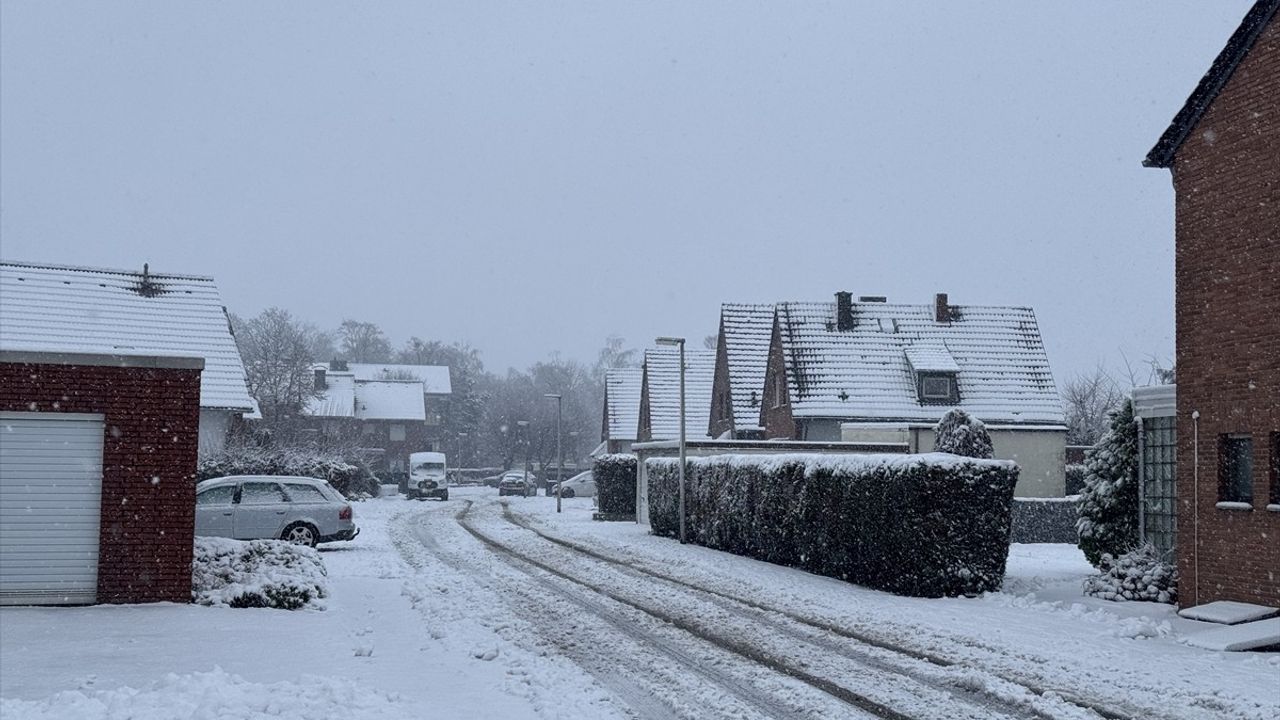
(428, 467)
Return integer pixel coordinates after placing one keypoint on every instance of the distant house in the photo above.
(1223, 149)
(879, 372)
(58, 308)
(621, 419)
(390, 410)
(742, 351)
(660, 393)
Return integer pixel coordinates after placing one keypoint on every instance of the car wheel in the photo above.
(444, 496)
(566, 492)
(301, 534)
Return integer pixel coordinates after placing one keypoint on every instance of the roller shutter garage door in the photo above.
(50, 507)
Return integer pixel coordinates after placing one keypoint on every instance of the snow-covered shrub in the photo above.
(959, 433)
(1108, 520)
(257, 573)
(615, 477)
(348, 476)
(925, 525)
(1075, 478)
(1140, 574)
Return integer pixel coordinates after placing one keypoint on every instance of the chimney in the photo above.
(844, 310)
(941, 310)
(320, 383)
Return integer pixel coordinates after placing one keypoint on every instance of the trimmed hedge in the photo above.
(929, 525)
(615, 477)
(351, 478)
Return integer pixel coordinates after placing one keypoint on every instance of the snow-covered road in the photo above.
(482, 607)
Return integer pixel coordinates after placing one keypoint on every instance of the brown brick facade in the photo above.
(152, 420)
(775, 400)
(1226, 175)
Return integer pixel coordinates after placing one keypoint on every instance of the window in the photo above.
(1159, 478)
(368, 429)
(259, 493)
(938, 388)
(217, 495)
(1235, 468)
(397, 433)
(779, 389)
(305, 493)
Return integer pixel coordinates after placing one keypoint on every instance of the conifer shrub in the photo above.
(928, 525)
(959, 433)
(1108, 522)
(615, 477)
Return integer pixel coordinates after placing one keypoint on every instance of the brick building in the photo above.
(97, 466)
(1223, 149)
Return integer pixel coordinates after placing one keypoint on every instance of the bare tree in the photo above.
(364, 342)
(1087, 399)
(276, 349)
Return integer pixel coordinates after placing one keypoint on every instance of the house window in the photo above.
(1235, 468)
(779, 389)
(397, 433)
(938, 388)
(368, 429)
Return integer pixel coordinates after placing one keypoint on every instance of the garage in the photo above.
(50, 507)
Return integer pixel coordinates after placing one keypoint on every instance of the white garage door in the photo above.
(50, 507)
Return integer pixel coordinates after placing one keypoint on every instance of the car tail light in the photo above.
(345, 513)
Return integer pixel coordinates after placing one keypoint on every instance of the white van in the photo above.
(427, 476)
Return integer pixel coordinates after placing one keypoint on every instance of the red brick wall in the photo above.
(152, 419)
(721, 395)
(776, 421)
(1227, 179)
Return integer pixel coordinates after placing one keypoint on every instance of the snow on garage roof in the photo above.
(1002, 370)
(389, 400)
(622, 402)
(434, 378)
(662, 378)
(747, 329)
(59, 308)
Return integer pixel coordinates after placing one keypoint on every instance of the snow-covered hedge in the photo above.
(925, 525)
(615, 477)
(348, 476)
(257, 573)
(1139, 574)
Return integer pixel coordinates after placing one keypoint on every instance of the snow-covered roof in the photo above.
(434, 378)
(57, 308)
(662, 372)
(622, 395)
(338, 399)
(389, 400)
(1002, 370)
(747, 329)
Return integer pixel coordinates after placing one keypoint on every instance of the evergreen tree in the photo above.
(1108, 521)
(962, 434)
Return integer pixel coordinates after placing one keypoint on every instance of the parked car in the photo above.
(301, 510)
(492, 481)
(515, 483)
(428, 476)
(580, 485)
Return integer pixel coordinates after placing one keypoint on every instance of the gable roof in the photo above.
(662, 373)
(622, 402)
(1238, 46)
(338, 399)
(389, 400)
(866, 373)
(747, 329)
(434, 378)
(59, 308)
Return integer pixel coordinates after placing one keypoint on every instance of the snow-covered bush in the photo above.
(1108, 520)
(1075, 478)
(615, 477)
(959, 433)
(1139, 574)
(348, 476)
(924, 525)
(257, 573)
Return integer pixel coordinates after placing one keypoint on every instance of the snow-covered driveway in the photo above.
(487, 608)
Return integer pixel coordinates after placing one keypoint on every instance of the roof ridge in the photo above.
(101, 270)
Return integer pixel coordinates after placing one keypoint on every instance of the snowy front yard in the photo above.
(430, 617)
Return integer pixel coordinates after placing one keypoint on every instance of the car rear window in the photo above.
(305, 493)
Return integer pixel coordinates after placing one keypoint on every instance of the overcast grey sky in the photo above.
(532, 177)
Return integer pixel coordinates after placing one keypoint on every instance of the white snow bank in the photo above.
(215, 695)
(257, 573)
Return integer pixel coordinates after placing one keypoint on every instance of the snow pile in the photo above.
(962, 434)
(257, 573)
(215, 695)
(1136, 575)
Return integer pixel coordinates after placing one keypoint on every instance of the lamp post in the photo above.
(522, 424)
(559, 455)
(679, 342)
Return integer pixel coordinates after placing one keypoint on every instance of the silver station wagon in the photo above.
(252, 507)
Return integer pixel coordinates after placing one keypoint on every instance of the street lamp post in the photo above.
(680, 343)
(559, 455)
(524, 433)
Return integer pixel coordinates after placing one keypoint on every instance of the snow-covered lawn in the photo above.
(426, 621)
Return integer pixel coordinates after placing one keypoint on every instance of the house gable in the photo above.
(776, 391)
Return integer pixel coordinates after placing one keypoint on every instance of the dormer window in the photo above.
(938, 388)
(935, 373)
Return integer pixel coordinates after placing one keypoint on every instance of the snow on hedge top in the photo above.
(434, 378)
(849, 463)
(622, 402)
(746, 330)
(55, 308)
(662, 383)
(865, 373)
